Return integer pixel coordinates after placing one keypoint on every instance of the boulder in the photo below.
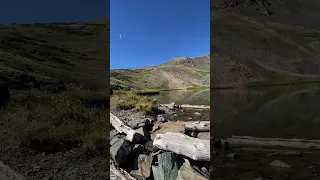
(172, 105)
(167, 168)
(186, 172)
(120, 150)
(279, 164)
(142, 167)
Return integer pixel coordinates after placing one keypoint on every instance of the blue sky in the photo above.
(150, 32)
(41, 11)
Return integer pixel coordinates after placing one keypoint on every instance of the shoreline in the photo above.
(147, 147)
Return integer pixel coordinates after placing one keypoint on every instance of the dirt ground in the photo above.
(63, 165)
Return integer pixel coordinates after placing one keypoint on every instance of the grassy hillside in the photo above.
(264, 41)
(58, 117)
(56, 55)
(175, 74)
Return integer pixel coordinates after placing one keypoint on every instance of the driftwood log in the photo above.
(122, 128)
(197, 126)
(119, 174)
(189, 106)
(194, 106)
(196, 149)
(274, 142)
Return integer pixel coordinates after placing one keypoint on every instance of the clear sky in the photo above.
(150, 32)
(41, 11)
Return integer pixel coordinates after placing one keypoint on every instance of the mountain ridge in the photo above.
(177, 73)
(256, 42)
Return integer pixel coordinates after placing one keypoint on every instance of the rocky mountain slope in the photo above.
(264, 41)
(177, 73)
(56, 55)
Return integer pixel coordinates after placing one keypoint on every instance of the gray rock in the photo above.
(279, 164)
(113, 133)
(142, 167)
(233, 155)
(136, 123)
(167, 168)
(172, 105)
(149, 146)
(187, 172)
(113, 140)
(196, 113)
(120, 150)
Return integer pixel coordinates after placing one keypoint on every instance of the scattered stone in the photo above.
(186, 172)
(162, 118)
(136, 123)
(142, 167)
(167, 168)
(279, 164)
(196, 113)
(233, 155)
(172, 105)
(258, 179)
(120, 150)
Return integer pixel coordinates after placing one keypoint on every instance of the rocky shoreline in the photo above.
(160, 147)
(243, 157)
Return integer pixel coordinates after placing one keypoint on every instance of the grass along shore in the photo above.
(125, 100)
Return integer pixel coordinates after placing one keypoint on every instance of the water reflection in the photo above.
(195, 97)
(282, 111)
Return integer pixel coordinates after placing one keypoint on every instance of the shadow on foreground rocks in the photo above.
(142, 160)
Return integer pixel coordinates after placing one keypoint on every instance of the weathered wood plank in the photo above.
(196, 149)
(189, 106)
(122, 128)
(197, 125)
(194, 106)
(274, 142)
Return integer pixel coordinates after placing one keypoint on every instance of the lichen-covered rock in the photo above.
(167, 168)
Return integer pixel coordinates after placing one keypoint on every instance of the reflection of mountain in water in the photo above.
(286, 112)
(195, 97)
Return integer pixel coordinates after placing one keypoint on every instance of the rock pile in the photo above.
(159, 149)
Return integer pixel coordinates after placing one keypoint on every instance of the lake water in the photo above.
(193, 97)
(283, 111)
